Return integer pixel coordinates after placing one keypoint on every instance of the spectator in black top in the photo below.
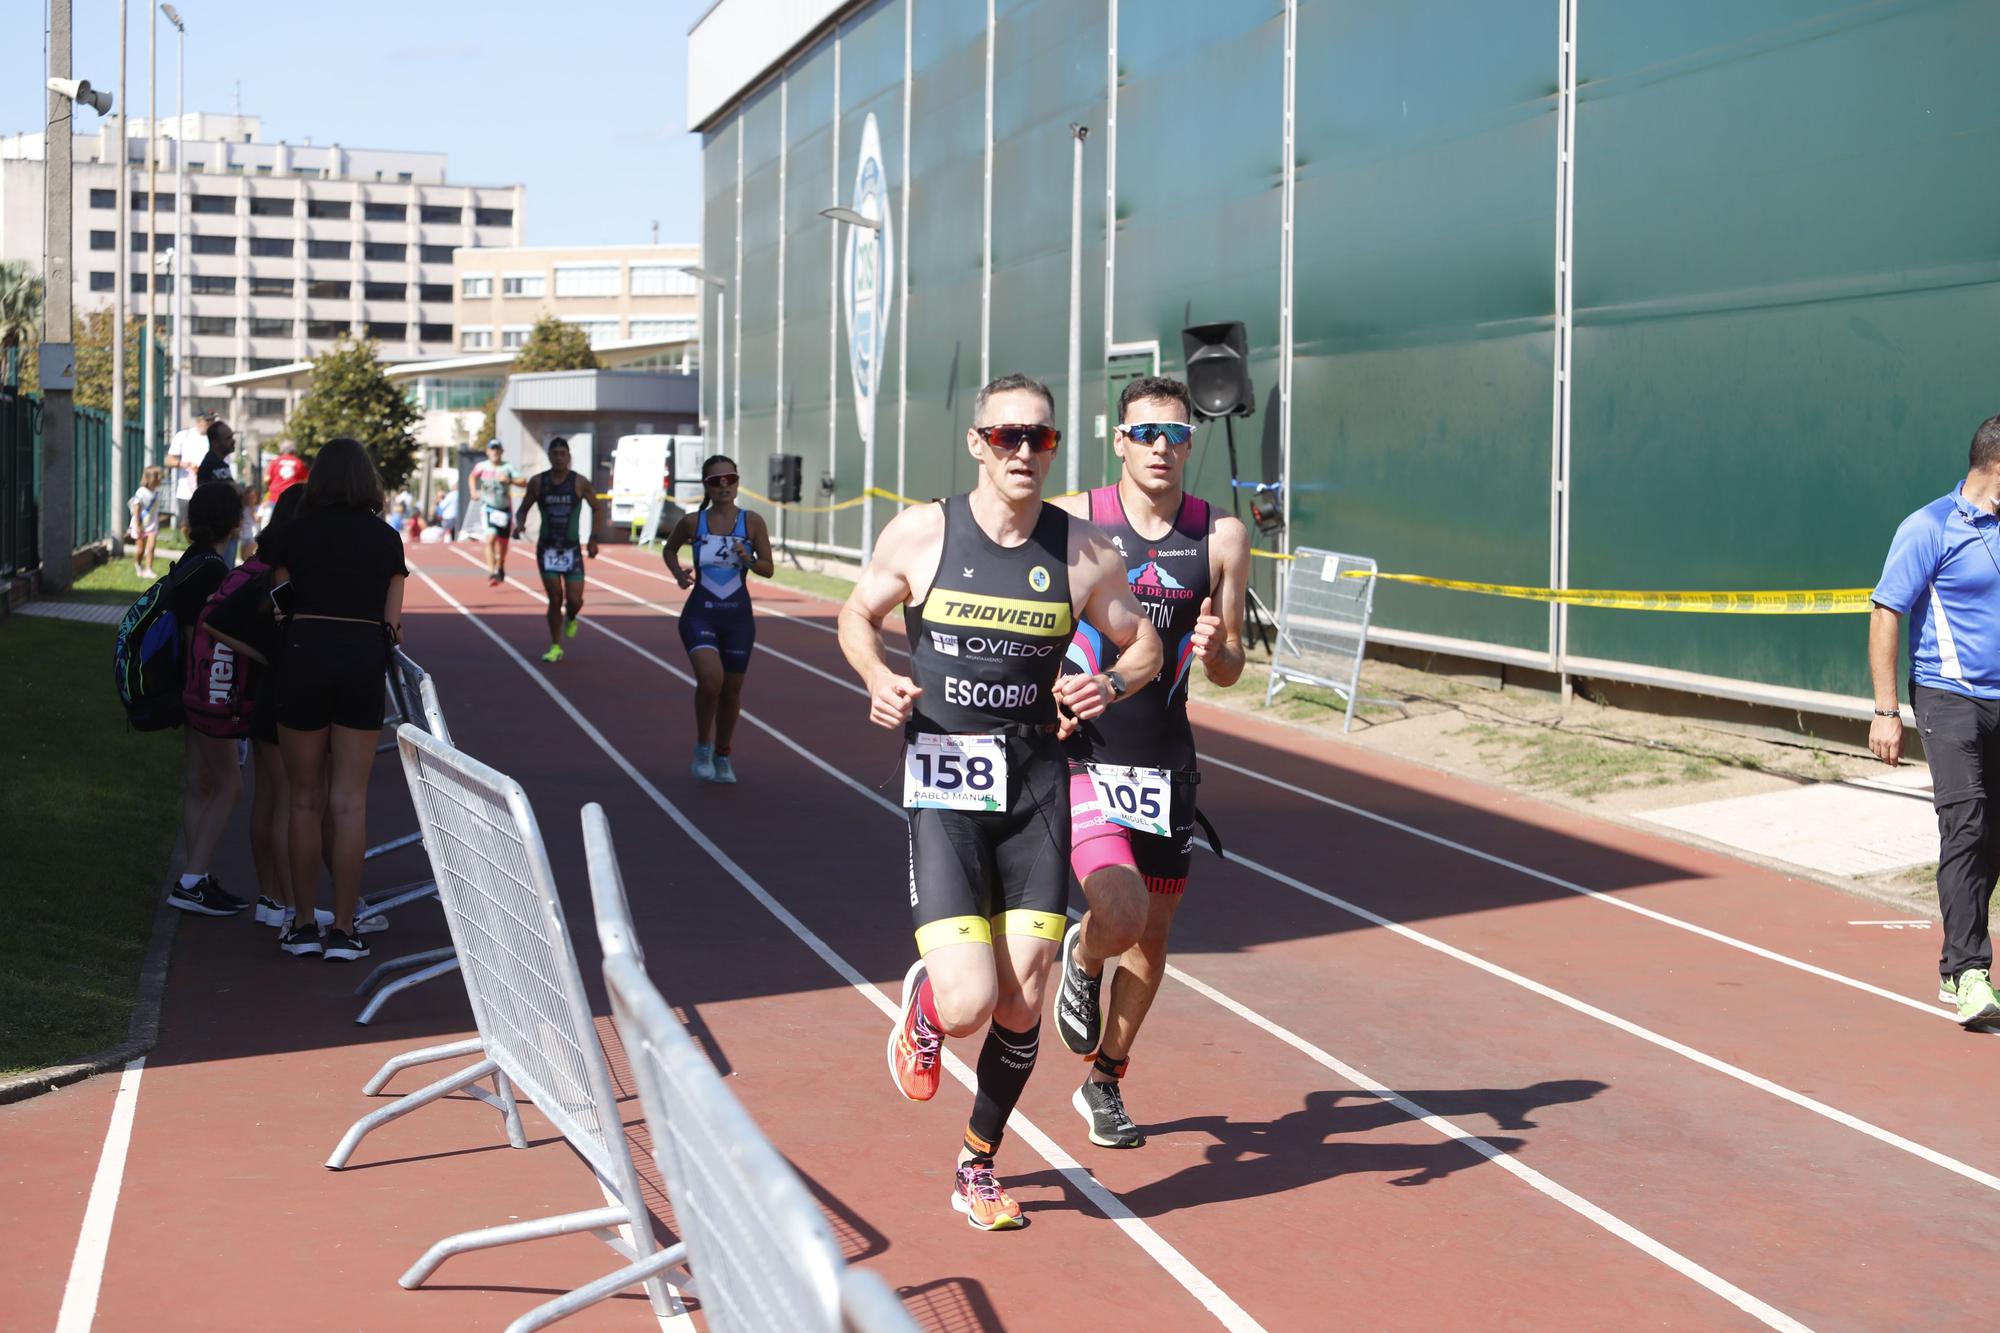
(214, 782)
(342, 569)
(214, 466)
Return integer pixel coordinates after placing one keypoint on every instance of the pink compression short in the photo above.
(1096, 843)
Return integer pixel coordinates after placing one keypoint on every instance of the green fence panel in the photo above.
(20, 442)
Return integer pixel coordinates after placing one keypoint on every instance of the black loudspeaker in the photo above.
(786, 476)
(1218, 369)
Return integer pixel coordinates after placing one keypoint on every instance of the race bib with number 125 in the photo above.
(955, 773)
(558, 559)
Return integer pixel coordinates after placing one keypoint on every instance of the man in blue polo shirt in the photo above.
(1943, 572)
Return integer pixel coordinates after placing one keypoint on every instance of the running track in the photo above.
(1431, 1054)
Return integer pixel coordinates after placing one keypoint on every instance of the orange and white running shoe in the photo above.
(978, 1195)
(915, 1046)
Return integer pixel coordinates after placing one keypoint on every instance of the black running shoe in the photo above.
(206, 898)
(1077, 1014)
(341, 944)
(300, 941)
(1102, 1106)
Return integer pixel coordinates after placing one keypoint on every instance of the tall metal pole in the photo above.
(721, 370)
(180, 213)
(58, 507)
(149, 345)
(1073, 460)
(119, 299)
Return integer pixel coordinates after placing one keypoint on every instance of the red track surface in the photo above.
(1720, 1120)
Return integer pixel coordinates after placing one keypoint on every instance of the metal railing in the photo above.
(20, 525)
(1323, 624)
(96, 486)
(534, 1023)
(759, 1249)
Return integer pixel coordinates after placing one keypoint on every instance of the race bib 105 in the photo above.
(1140, 799)
(955, 773)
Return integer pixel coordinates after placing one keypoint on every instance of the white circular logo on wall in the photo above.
(865, 293)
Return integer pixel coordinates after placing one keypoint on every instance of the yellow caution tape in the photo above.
(1788, 602)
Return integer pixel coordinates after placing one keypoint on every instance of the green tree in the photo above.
(489, 425)
(554, 345)
(20, 317)
(352, 396)
(93, 363)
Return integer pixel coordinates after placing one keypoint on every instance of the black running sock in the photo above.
(1005, 1062)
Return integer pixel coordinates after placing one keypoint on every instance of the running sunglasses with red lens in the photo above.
(720, 479)
(1009, 439)
(1145, 432)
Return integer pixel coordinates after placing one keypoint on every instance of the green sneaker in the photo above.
(1948, 991)
(554, 654)
(569, 628)
(1977, 1004)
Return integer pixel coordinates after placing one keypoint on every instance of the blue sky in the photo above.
(585, 104)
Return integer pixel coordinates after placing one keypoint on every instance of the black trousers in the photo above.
(1962, 741)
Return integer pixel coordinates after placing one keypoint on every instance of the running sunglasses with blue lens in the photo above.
(1145, 432)
(1009, 439)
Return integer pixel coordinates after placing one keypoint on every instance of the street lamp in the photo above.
(1073, 464)
(852, 218)
(180, 206)
(874, 227)
(720, 286)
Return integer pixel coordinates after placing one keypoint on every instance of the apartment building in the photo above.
(289, 245)
(616, 294)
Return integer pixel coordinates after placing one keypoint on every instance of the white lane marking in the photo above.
(1770, 955)
(1597, 894)
(93, 1242)
(1534, 1179)
(1626, 1025)
(1895, 925)
(1196, 1283)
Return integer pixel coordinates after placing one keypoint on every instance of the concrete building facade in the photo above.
(290, 245)
(618, 293)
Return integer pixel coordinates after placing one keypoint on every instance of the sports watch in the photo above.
(1117, 684)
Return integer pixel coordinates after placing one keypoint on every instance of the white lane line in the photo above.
(1196, 1283)
(1584, 1007)
(1568, 1198)
(93, 1243)
(1570, 886)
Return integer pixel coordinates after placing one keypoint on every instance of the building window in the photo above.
(104, 198)
(202, 284)
(669, 330)
(440, 213)
(586, 279)
(328, 249)
(384, 252)
(325, 328)
(165, 204)
(212, 203)
(435, 254)
(599, 330)
(268, 362)
(321, 289)
(262, 207)
(139, 242)
(104, 240)
(385, 212)
(514, 337)
(267, 407)
(404, 177)
(493, 217)
(384, 291)
(271, 247)
(212, 326)
(476, 340)
(272, 328)
(434, 291)
(211, 365)
(524, 284)
(434, 333)
(660, 280)
(310, 172)
(102, 282)
(388, 331)
(475, 285)
(137, 284)
(454, 395)
(272, 286)
(329, 208)
(212, 245)
(164, 283)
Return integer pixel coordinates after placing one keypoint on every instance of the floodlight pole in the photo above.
(721, 288)
(1073, 462)
(849, 217)
(121, 286)
(150, 343)
(180, 207)
(58, 500)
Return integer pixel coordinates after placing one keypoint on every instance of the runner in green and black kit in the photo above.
(994, 583)
(561, 495)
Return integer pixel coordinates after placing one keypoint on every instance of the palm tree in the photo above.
(20, 314)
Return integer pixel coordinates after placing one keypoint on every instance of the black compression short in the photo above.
(334, 675)
(975, 875)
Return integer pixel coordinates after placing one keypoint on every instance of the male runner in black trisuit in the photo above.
(994, 583)
(561, 495)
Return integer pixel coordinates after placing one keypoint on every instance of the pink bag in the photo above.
(220, 680)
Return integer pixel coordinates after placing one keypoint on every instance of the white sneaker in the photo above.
(704, 762)
(724, 771)
(270, 913)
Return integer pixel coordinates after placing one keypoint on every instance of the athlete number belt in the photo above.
(1140, 799)
(955, 772)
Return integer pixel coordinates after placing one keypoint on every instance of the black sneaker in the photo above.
(205, 898)
(1078, 1017)
(300, 941)
(341, 944)
(1102, 1106)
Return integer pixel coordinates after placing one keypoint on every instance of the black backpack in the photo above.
(147, 659)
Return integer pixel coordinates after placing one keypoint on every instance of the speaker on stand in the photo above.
(1218, 378)
(785, 487)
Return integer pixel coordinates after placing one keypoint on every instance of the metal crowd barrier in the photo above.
(761, 1254)
(1323, 624)
(535, 1027)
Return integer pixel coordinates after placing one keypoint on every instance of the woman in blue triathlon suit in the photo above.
(729, 545)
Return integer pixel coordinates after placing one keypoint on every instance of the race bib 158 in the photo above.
(955, 773)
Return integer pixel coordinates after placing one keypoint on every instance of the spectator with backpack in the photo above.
(338, 577)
